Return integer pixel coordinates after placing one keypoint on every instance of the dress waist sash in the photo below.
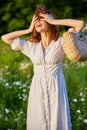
(42, 70)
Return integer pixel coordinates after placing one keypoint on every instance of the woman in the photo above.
(48, 107)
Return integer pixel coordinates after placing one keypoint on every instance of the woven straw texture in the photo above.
(75, 47)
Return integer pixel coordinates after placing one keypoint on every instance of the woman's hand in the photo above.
(34, 20)
(47, 17)
(72, 30)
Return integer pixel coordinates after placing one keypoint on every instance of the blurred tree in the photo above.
(17, 14)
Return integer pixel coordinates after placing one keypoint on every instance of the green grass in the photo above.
(16, 73)
(76, 80)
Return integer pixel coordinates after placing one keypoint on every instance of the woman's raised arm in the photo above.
(9, 37)
(76, 24)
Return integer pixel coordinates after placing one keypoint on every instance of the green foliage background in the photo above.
(17, 14)
(16, 70)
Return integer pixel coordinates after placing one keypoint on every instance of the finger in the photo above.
(34, 16)
(42, 15)
(43, 19)
(35, 19)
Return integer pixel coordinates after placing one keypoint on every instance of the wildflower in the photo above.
(74, 100)
(6, 118)
(82, 99)
(78, 111)
(20, 98)
(20, 87)
(19, 95)
(24, 99)
(16, 119)
(85, 121)
(17, 83)
(28, 76)
(24, 66)
(81, 94)
(21, 112)
(6, 111)
(80, 118)
(24, 90)
(7, 84)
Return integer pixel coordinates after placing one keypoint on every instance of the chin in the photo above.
(39, 30)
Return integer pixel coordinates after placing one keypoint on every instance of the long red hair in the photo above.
(53, 30)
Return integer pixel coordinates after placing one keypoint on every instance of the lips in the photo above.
(39, 25)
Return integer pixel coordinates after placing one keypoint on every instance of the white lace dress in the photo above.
(48, 107)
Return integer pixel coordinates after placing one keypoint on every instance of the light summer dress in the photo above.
(48, 107)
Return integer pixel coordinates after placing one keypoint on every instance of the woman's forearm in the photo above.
(76, 24)
(9, 37)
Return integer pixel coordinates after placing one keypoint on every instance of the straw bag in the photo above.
(75, 47)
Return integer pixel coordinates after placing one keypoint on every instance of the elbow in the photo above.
(82, 24)
(3, 37)
(79, 26)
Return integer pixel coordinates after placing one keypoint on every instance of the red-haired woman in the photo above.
(48, 107)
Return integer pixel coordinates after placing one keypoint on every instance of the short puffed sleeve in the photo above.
(22, 45)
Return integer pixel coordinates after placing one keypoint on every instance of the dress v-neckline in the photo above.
(45, 50)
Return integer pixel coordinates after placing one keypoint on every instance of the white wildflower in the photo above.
(24, 65)
(20, 87)
(24, 99)
(28, 76)
(80, 118)
(24, 96)
(74, 100)
(20, 97)
(19, 94)
(82, 99)
(85, 121)
(21, 112)
(78, 111)
(81, 94)
(6, 111)
(6, 118)
(17, 83)
(7, 84)
(24, 90)
(16, 119)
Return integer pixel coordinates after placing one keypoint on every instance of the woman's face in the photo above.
(41, 26)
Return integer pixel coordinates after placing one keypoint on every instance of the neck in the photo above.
(45, 39)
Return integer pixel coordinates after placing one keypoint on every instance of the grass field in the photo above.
(16, 73)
